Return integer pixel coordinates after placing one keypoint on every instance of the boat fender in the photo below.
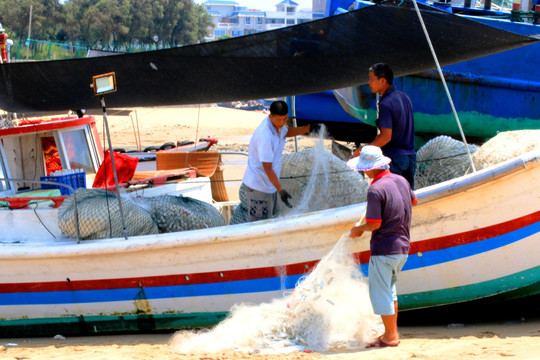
(185, 142)
(167, 145)
(150, 148)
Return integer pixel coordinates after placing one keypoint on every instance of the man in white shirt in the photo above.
(264, 163)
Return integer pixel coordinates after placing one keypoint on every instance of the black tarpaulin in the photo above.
(330, 53)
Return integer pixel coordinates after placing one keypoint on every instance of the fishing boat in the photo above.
(491, 93)
(324, 54)
(51, 283)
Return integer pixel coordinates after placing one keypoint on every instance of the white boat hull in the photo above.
(472, 237)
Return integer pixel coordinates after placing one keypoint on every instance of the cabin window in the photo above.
(4, 185)
(51, 156)
(77, 151)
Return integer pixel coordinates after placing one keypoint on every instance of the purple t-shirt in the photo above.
(395, 112)
(389, 201)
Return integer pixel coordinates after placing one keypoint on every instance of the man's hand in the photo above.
(357, 151)
(285, 196)
(356, 231)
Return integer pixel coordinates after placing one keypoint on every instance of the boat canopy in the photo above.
(325, 54)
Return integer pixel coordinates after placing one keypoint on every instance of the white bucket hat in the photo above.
(370, 158)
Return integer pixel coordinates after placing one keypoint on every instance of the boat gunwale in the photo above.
(337, 217)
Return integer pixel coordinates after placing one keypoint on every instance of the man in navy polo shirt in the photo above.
(388, 217)
(395, 123)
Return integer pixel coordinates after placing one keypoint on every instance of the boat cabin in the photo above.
(45, 147)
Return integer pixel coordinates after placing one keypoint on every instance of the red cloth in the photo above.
(125, 168)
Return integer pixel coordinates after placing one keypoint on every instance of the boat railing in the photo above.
(72, 190)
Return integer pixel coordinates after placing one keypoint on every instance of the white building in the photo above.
(230, 18)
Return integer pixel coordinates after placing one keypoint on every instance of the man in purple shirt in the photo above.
(395, 123)
(388, 217)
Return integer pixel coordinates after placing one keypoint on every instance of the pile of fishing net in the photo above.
(328, 310)
(444, 158)
(440, 159)
(504, 146)
(99, 214)
(317, 180)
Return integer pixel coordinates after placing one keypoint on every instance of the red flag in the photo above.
(125, 168)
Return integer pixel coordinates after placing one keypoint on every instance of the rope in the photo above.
(46, 228)
(444, 83)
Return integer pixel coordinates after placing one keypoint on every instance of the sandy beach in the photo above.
(483, 333)
(515, 340)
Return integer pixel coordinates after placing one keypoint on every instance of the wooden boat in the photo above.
(473, 237)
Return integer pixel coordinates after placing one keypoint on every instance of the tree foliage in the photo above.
(95, 22)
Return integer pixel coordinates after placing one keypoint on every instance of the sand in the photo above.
(519, 340)
(497, 336)
(156, 126)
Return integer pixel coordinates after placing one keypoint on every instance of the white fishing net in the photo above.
(316, 180)
(504, 146)
(329, 309)
(443, 158)
(440, 159)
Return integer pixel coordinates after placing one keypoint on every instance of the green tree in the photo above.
(94, 22)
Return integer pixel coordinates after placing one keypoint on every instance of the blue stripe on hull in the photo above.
(251, 286)
(157, 292)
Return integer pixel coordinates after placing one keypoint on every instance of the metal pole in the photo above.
(113, 167)
(29, 32)
(444, 83)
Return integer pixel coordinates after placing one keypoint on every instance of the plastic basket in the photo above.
(75, 180)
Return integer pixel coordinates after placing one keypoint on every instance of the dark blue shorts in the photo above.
(404, 165)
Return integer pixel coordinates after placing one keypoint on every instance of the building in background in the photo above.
(231, 18)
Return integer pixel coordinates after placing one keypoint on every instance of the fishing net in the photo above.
(504, 146)
(440, 159)
(99, 215)
(329, 310)
(317, 180)
(179, 213)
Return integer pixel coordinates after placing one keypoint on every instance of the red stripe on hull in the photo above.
(266, 272)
